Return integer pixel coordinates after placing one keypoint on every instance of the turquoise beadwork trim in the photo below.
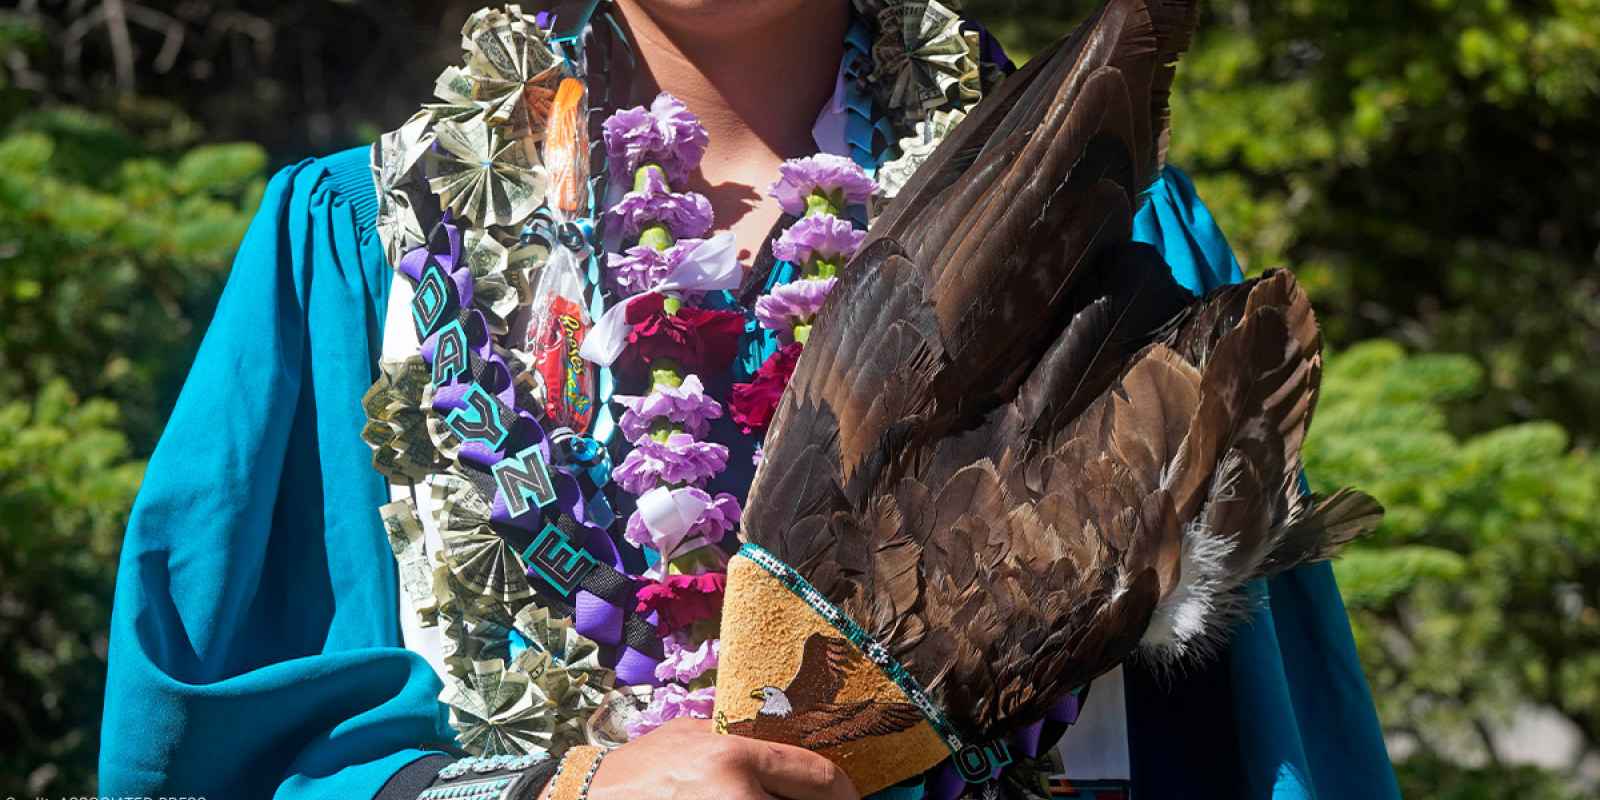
(863, 641)
(490, 789)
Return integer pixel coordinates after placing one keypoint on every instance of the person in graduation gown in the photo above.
(255, 642)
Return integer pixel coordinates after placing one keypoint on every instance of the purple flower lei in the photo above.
(719, 519)
(669, 702)
(685, 214)
(685, 662)
(640, 267)
(680, 460)
(686, 405)
(792, 303)
(653, 149)
(819, 243)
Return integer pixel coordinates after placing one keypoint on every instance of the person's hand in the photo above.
(685, 760)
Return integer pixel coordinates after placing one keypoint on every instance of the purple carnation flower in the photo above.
(666, 134)
(840, 178)
(720, 517)
(823, 235)
(792, 302)
(686, 214)
(680, 459)
(687, 405)
(670, 701)
(684, 663)
(640, 267)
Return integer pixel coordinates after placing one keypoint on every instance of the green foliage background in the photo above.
(1427, 167)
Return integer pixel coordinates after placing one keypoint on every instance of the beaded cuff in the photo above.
(491, 778)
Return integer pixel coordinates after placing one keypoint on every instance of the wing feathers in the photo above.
(1014, 449)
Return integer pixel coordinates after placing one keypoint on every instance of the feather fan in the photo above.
(1015, 451)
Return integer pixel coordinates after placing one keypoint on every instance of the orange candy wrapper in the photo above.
(566, 151)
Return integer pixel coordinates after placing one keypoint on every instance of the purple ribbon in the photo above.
(593, 617)
(946, 783)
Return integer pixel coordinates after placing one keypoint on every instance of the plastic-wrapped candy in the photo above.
(556, 329)
(566, 152)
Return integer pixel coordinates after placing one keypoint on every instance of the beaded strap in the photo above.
(486, 764)
(502, 777)
(976, 762)
(575, 774)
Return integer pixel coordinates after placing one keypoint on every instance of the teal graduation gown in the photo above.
(255, 645)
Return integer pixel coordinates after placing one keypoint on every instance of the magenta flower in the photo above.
(666, 134)
(837, 177)
(753, 404)
(684, 663)
(686, 405)
(680, 601)
(681, 459)
(720, 517)
(791, 303)
(670, 701)
(686, 214)
(827, 237)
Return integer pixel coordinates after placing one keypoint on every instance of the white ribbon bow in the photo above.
(711, 266)
(669, 515)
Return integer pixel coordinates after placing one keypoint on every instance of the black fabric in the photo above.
(535, 778)
(608, 585)
(1166, 760)
(413, 778)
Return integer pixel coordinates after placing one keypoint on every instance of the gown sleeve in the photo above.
(1290, 685)
(255, 643)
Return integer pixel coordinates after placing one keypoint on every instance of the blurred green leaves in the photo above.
(1426, 168)
(107, 264)
(66, 481)
(1476, 600)
(115, 236)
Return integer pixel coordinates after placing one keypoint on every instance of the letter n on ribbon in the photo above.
(524, 481)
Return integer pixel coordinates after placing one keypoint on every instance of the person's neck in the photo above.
(757, 90)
